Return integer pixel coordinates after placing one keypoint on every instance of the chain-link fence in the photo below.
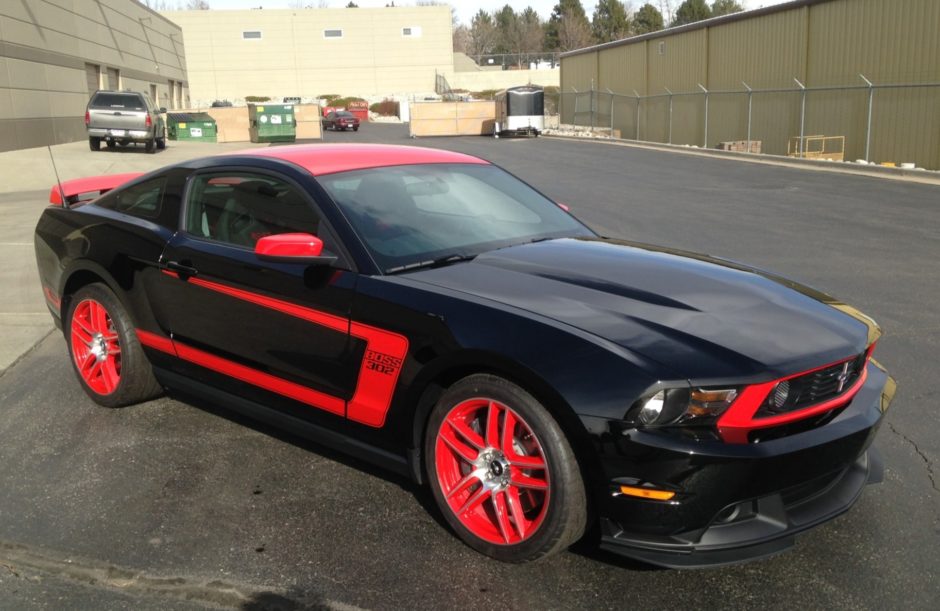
(880, 123)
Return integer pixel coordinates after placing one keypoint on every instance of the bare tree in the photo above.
(483, 34)
(574, 32)
(668, 10)
(533, 34)
(197, 5)
(461, 36)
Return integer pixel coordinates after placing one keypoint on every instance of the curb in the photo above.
(874, 171)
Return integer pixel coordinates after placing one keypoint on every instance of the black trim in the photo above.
(302, 428)
(770, 529)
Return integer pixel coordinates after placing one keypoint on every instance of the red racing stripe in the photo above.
(157, 342)
(378, 373)
(261, 380)
(337, 323)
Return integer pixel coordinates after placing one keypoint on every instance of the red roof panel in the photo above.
(320, 159)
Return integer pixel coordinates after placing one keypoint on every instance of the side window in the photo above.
(144, 200)
(240, 208)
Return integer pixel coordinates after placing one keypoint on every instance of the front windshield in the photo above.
(414, 214)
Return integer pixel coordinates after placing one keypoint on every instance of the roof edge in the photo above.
(698, 25)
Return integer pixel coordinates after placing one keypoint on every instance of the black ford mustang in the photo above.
(426, 310)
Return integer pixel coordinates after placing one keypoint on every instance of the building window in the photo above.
(251, 35)
(332, 33)
(411, 32)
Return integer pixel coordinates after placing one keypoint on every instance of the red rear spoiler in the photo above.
(88, 188)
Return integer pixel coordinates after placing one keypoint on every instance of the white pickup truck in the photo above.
(123, 117)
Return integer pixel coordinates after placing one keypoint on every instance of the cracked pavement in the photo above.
(176, 505)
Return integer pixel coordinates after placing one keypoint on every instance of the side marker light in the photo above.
(648, 493)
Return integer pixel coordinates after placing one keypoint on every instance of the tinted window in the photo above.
(240, 208)
(118, 100)
(417, 213)
(144, 200)
(344, 114)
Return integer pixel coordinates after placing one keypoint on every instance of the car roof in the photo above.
(320, 159)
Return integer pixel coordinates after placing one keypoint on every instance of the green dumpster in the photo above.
(272, 123)
(196, 126)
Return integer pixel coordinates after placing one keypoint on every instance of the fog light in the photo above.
(652, 408)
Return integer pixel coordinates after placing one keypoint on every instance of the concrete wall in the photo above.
(501, 79)
(823, 43)
(289, 54)
(55, 53)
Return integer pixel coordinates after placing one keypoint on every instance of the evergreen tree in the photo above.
(567, 27)
(507, 29)
(610, 22)
(482, 34)
(530, 26)
(725, 7)
(691, 11)
(647, 19)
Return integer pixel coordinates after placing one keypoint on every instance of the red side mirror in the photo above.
(290, 247)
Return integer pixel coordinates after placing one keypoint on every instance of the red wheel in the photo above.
(96, 349)
(108, 358)
(492, 471)
(502, 471)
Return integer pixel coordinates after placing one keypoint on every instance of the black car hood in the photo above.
(701, 317)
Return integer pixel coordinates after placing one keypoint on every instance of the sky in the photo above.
(465, 10)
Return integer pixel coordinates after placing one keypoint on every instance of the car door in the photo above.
(273, 331)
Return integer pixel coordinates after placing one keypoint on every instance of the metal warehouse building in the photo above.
(55, 53)
(866, 71)
(312, 52)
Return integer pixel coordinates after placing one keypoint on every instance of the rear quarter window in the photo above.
(144, 200)
(118, 101)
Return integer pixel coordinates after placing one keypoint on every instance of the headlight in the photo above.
(682, 406)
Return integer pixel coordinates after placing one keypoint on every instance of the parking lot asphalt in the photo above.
(177, 504)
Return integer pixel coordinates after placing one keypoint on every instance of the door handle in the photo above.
(180, 268)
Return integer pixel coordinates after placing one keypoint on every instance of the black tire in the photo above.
(161, 143)
(355, 129)
(151, 145)
(136, 382)
(111, 145)
(563, 513)
(94, 143)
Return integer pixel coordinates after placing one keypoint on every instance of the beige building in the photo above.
(311, 52)
(55, 53)
(829, 46)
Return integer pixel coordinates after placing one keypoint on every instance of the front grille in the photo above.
(812, 388)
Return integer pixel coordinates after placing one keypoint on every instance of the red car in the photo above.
(342, 120)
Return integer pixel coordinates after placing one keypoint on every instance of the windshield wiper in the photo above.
(438, 262)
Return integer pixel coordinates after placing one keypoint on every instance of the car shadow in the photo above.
(587, 547)
(129, 149)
